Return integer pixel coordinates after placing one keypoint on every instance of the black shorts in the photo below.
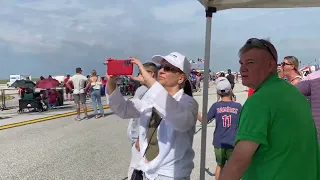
(68, 91)
(232, 86)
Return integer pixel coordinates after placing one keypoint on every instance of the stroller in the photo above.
(30, 103)
(34, 105)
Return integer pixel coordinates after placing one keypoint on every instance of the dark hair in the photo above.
(78, 70)
(222, 74)
(224, 94)
(187, 88)
(259, 44)
(68, 75)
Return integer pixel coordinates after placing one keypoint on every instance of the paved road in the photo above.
(69, 150)
(64, 149)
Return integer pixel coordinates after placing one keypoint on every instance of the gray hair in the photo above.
(259, 44)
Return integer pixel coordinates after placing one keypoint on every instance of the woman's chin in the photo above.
(161, 81)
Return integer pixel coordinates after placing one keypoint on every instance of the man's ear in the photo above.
(273, 66)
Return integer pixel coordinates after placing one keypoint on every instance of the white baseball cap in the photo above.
(176, 59)
(223, 85)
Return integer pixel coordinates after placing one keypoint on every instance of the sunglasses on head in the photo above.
(260, 44)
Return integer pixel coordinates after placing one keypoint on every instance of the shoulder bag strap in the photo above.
(151, 137)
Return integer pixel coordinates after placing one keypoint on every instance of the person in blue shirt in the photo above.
(226, 113)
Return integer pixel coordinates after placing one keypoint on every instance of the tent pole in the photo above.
(209, 12)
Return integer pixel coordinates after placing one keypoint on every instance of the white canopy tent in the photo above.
(212, 6)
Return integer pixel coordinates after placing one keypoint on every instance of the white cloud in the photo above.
(49, 5)
(178, 11)
(75, 31)
(55, 20)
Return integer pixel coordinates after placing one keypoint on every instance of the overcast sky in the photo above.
(42, 37)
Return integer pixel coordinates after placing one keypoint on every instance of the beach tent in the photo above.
(213, 6)
(306, 68)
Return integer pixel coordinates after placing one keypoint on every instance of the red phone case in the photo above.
(119, 67)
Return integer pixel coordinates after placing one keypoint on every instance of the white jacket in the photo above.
(133, 127)
(175, 132)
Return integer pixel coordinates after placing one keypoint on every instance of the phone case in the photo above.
(119, 67)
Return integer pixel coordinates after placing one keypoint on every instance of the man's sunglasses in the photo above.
(260, 44)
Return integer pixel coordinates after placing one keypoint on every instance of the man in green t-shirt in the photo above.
(276, 137)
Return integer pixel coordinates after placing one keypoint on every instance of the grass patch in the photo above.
(3, 81)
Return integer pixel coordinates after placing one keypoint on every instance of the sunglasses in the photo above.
(169, 69)
(284, 63)
(260, 44)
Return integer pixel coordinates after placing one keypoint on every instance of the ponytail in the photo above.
(187, 88)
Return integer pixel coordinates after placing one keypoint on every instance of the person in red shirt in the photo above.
(250, 92)
(104, 81)
(68, 91)
(53, 96)
(21, 91)
(104, 84)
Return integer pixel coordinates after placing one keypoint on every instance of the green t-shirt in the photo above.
(279, 118)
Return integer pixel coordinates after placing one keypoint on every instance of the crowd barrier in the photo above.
(9, 98)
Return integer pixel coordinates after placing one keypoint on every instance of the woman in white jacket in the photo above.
(170, 155)
(133, 126)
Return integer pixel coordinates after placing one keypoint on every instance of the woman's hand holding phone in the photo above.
(144, 77)
(111, 78)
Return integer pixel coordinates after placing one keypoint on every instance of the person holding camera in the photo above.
(133, 126)
(168, 115)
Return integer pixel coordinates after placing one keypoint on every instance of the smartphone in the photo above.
(119, 67)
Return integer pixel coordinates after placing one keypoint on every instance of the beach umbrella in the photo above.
(48, 83)
(212, 6)
(23, 84)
